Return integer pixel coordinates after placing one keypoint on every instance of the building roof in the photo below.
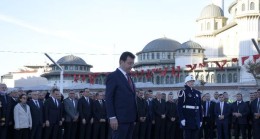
(189, 45)
(211, 11)
(71, 60)
(161, 45)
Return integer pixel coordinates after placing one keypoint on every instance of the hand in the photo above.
(47, 123)
(172, 119)
(113, 123)
(200, 124)
(153, 122)
(91, 120)
(60, 123)
(84, 121)
(239, 115)
(183, 122)
(163, 116)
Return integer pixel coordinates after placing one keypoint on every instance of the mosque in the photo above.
(215, 56)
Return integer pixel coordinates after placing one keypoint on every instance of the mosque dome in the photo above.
(211, 11)
(161, 45)
(71, 60)
(190, 45)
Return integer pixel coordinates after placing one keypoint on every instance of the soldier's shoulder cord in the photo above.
(182, 94)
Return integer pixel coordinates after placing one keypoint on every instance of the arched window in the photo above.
(147, 56)
(201, 27)
(152, 55)
(177, 79)
(135, 79)
(144, 79)
(208, 26)
(172, 80)
(157, 80)
(162, 80)
(218, 78)
(223, 78)
(243, 7)
(229, 78)
(212, 78)
(202, 77)
(235, 77)
(139, 79)
(144, 56)
(207, 78)
(252, 6)
(158, 56)
(181, 78)
(149, 79)
(167, 79)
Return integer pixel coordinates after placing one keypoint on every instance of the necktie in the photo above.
(129, 81)
(73, 103)
(238, 107)
(37, 104)
(207, 108)
(56, 102)
(221, 107)
(258, 106)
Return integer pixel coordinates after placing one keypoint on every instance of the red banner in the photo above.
(255, 57)
(222, 65)
(244, 59)
(192, 67)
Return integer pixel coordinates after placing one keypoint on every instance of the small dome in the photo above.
(161, 45)
(71, 60)
(190, 45)
(211, 11)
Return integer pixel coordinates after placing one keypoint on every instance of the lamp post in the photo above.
(61, 72)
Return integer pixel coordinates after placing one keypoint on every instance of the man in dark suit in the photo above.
(36, 108)
(249, 116)
(150, 115)
(10, 112)
(85, 108)
(142, 112)
(222, 112)
(171, 117)
(4, 98)
(255, 109)
(208, 117)
(71, 116)
(120, 98)
(100, 117)
(240, 111)
(52, 115)
(159, 108)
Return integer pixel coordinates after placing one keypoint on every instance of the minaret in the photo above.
(219, 3)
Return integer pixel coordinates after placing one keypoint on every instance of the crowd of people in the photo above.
(82, 115)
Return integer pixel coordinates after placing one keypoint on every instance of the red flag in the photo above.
(148, 74)
(83, 78)
(75, 78)
(179, 70)
(222, 65)
(244, 59)
(255, 57)
(192, 67)
(163, 73)
(173, 71)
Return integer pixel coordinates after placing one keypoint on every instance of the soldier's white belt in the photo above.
(191, 107)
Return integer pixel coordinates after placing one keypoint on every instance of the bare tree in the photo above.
(254, 69)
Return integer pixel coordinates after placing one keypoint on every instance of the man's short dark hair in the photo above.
(54, 90)
(220, 95)
(124, 56)
(239, 94)
(258, 89)
(170, 93)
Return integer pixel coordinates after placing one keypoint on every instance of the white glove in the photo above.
(183, 122)
(200, 124)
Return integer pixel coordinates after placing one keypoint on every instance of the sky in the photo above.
(98, 31)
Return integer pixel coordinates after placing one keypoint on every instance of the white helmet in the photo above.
(189, 78)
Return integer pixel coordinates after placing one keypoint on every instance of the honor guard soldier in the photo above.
(189, 109)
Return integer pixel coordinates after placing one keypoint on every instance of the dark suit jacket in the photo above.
(243, 109)
(226, 112)
(99, 111)
(142, 108)
(70, 111)
(211, 109)
(171, 110)
(120, 98)
(36, 113)
(254, 110)
(159, 108)
(4, 113)
(10, 110)
(52, 112)
(150, 113)
(85, 109)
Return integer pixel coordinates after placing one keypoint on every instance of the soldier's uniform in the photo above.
(190, 111)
